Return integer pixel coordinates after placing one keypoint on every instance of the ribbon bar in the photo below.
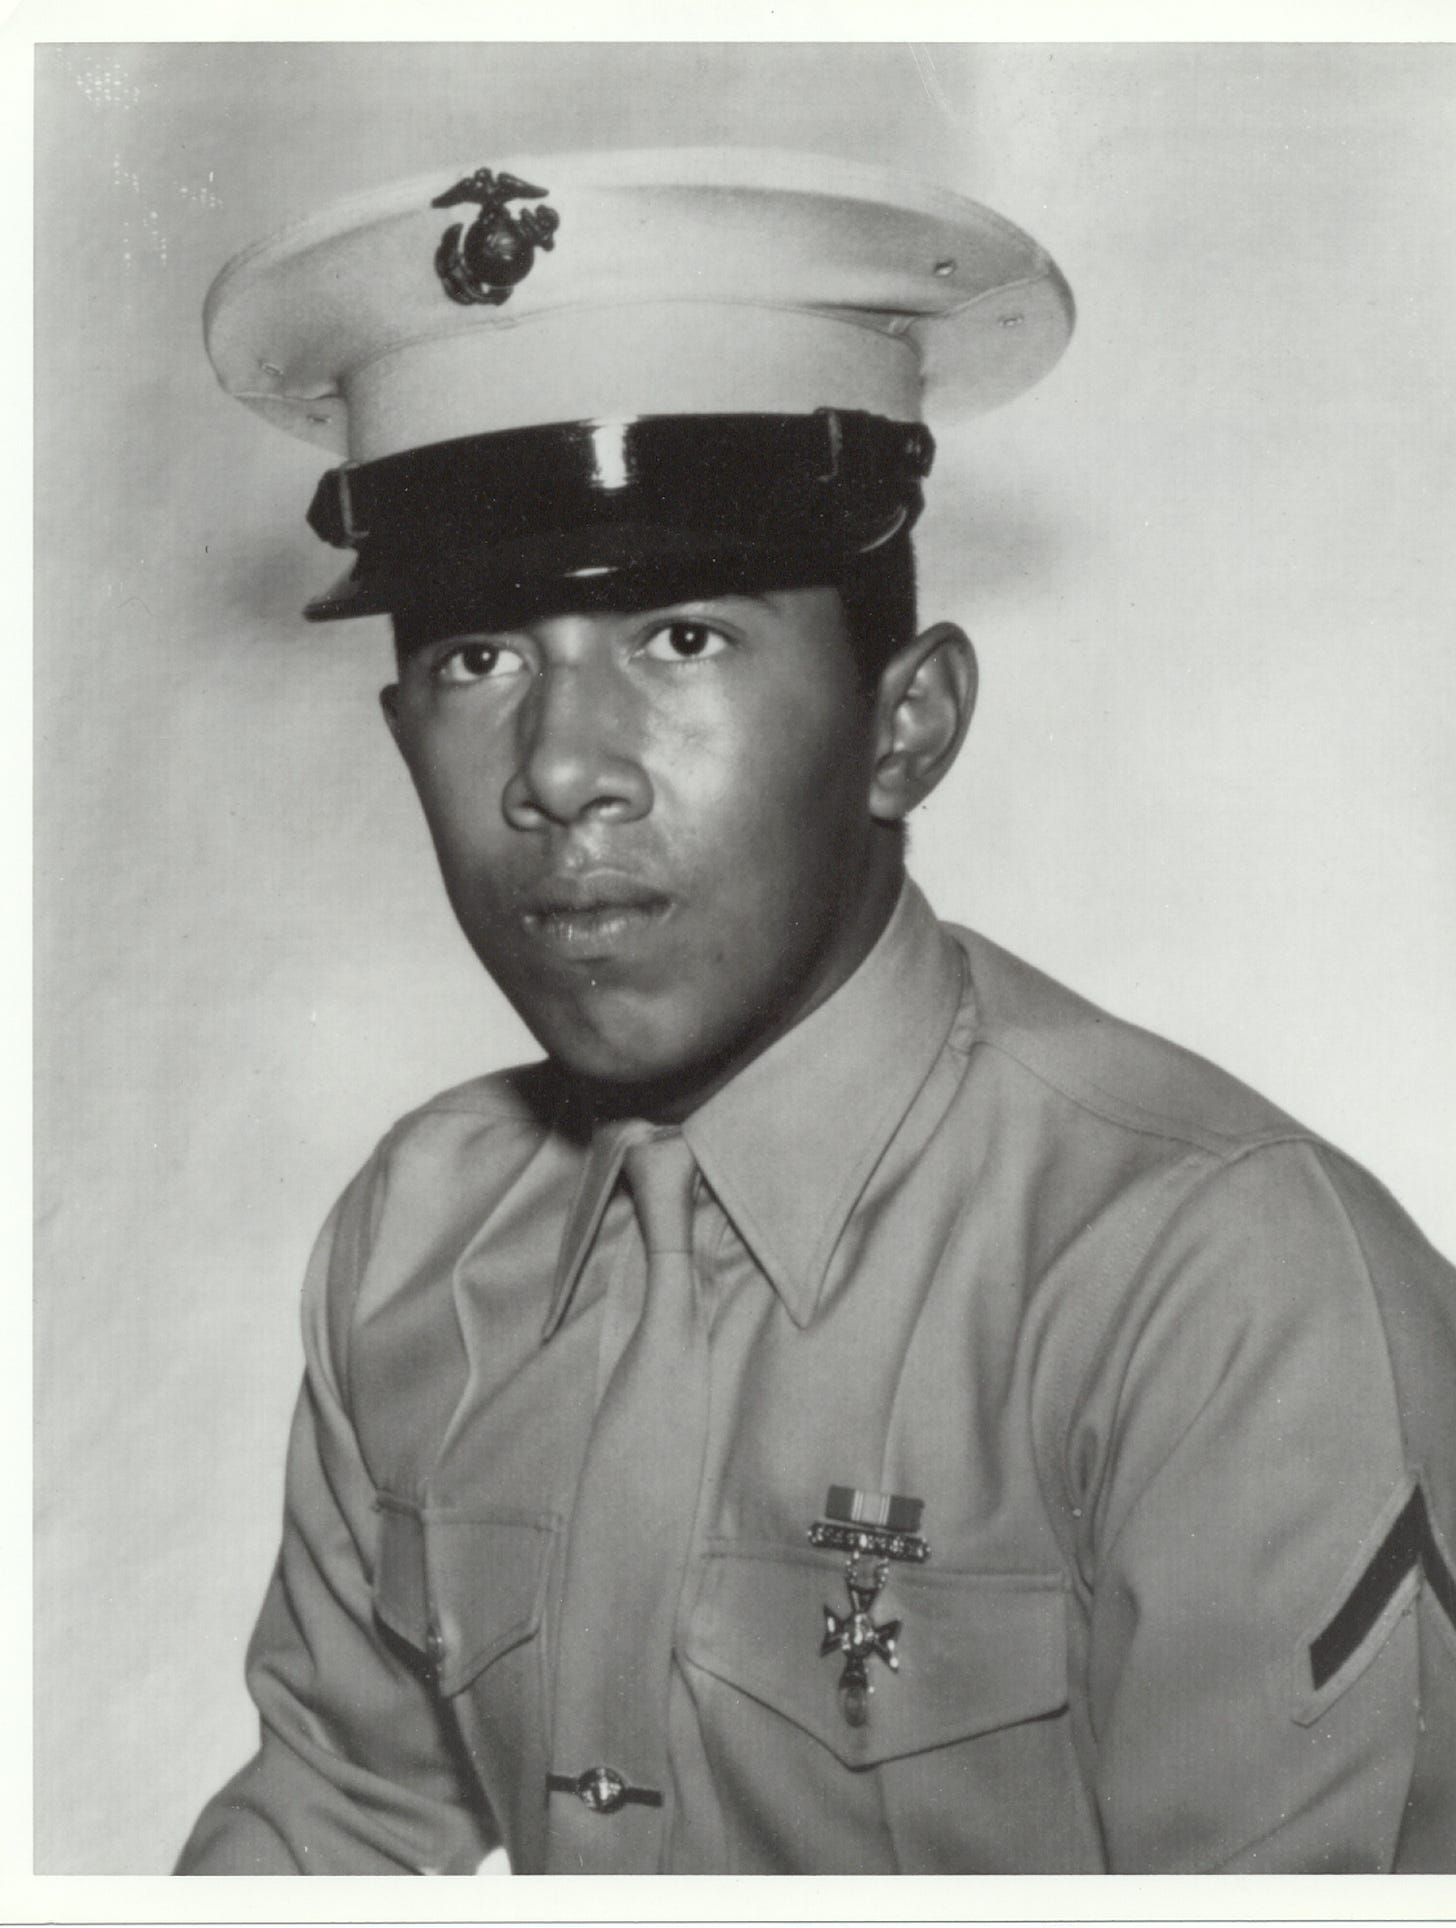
(896, 1511)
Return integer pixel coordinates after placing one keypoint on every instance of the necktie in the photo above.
(608, 1798)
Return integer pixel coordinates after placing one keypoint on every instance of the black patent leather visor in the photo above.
(601, 513)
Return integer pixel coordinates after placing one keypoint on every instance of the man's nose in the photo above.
(578, 753)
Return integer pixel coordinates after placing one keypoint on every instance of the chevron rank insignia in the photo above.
(1410, 1545)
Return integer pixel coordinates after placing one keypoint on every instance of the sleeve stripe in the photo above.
(1410, 1542)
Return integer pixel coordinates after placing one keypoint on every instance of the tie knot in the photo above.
(660, 1171)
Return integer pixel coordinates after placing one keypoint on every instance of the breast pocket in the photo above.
(466, 1593)
(966, 1741)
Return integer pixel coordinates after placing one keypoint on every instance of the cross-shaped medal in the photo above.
(855, 1635)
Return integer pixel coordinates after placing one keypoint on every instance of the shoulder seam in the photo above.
(1358, 1245)
(1220, 1146)
(369, 1214)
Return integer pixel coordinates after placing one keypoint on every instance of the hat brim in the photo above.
(592, 513)
(614, 567)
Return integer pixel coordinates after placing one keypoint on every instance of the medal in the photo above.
(873, 1529)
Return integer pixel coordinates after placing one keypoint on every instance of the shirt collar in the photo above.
(790, 1144)
(598, 1181)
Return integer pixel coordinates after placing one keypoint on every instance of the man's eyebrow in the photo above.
(411, 644)
(761, 597)
(446, 632)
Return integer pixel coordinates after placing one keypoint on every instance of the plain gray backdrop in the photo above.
(1209, 565)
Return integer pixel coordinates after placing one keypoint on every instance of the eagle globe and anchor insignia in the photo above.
(498, 247)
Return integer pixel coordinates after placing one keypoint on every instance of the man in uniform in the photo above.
(854, 1407)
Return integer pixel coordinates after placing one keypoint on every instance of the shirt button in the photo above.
(435, 1646)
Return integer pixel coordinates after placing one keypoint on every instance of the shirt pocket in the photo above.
(460, 1589)
(466, 1592)
(976, 1651)
(965, 1763)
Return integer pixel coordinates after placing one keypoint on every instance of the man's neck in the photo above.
(669, 1101)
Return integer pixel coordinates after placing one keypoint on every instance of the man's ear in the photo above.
(927, 693)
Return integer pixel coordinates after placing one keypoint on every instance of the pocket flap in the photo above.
(976, 1651)
(460, 1590)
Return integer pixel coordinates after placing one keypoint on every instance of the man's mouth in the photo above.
(592, 917)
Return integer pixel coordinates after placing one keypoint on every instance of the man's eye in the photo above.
(684, 642)
(474, 662)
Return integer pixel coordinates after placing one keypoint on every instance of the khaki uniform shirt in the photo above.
(1175, 1382)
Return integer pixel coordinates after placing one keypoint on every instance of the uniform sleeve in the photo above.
(355, 1773)
(1272, 1662)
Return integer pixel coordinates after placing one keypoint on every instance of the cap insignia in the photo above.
(498, 247)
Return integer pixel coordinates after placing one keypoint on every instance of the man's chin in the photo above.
(651, 1075)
